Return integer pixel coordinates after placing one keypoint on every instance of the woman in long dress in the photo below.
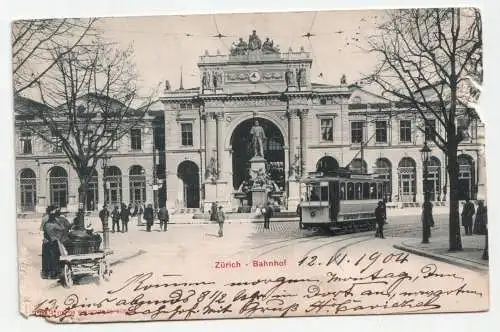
(480, 222)
(55, 231)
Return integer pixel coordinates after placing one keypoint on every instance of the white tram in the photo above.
(341, 201)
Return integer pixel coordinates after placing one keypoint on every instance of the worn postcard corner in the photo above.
(241, 165)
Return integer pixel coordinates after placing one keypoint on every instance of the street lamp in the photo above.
(426, 210)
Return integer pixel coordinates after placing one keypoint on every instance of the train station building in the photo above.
(308, 127)
(199, 140)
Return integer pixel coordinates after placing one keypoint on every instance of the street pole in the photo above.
(105, 224)
(425, 219)
(155, 181)
(426, 210)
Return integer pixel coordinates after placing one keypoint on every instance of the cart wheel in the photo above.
(104, 271)
(67, 276)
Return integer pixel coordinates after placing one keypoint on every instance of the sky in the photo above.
(165, 44)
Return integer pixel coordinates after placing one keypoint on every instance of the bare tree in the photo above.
(426, 57)
(90, 101)
(33, 41)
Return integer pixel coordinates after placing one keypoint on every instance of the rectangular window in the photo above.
(430, 133)
(187, 134)
(327, 130)
(356, 131)
(135, 139)
(26, 143)
(405, 131)
(56, 142)
(381, 131)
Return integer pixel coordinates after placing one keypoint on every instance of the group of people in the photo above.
(124, 213)
(479, 225)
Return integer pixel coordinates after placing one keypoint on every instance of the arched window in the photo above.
(27, 183)
(327, 164)
(58, 186)
(407, 180)
(434, 179)
(92, 192)
(383, 169)
(358, 166)
(137, 184)
(466, 178)
(113, 179)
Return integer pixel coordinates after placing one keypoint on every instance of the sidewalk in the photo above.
(470, 257)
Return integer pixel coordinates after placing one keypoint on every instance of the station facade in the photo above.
(308, 126)
(193, 148)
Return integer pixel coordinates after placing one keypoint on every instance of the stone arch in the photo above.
(188, 173)
(281, 124)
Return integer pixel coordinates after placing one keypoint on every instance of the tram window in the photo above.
(350, 190)
(342, 191)
(313, 194)
(379, 191)
(324, 193)
(373, 190)
(366, 191)
(359, 191)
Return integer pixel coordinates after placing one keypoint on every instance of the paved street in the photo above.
(195, 252)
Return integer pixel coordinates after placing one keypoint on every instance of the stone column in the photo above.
(210, 138)
(210, 152)
(220, 142)
(304, 126)
(293, 152)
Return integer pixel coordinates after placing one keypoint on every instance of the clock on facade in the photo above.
(254, 76)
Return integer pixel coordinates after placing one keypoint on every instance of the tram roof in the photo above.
(319, 176)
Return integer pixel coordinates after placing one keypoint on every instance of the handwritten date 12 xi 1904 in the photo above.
(365, 260)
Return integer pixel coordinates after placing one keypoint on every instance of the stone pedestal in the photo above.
(257, 164)
(259, 197)
(293, 193)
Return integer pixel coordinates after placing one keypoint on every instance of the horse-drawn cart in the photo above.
(83, 257)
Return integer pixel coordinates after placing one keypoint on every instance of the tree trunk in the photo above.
(454, 222)
(82, 197)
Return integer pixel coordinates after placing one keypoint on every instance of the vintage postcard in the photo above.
(250, 165)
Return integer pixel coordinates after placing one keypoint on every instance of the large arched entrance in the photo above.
(189, 173)
(243, 152)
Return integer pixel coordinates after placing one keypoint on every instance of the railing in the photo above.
(255, 56)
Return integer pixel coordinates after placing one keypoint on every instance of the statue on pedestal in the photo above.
(258, 138)
(254, 42)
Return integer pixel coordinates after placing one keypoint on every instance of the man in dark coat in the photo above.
(163, 216)
(124, 216)
(149, 216)
(267, 211)
(220, 218)
(115, 217)
(104, 216)
(467, 215)
(380, 219)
